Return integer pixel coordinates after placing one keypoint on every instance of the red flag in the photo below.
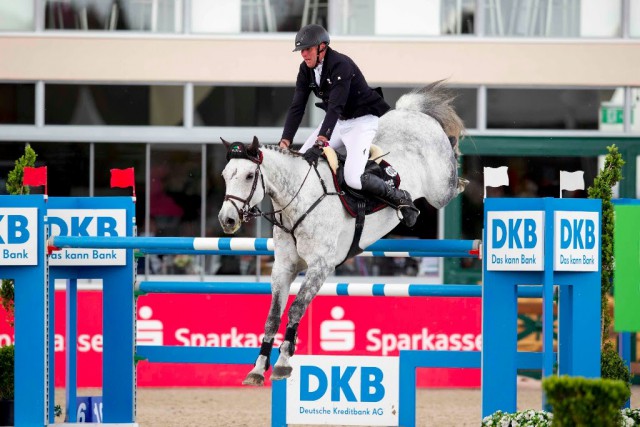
(35, 176)
(122, 178)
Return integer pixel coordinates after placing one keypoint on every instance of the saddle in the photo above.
(352, 198)
(359, 204)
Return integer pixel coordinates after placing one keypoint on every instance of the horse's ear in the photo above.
(255, 144)
(226, 144)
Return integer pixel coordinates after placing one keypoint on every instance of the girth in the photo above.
(357, 204)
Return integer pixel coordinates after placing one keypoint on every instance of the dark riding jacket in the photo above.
(343, 91)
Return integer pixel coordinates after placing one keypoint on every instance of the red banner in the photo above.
(333, 325)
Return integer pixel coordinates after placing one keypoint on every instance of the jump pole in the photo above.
(210, 245)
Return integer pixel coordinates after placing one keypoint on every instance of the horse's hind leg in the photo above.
(313, 280)
(284, 272)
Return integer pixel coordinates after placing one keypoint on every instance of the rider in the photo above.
(351, 120)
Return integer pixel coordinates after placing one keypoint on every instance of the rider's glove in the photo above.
(321, 142)
(313, 154)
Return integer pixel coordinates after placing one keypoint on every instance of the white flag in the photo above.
(495, 177)
(571, 181)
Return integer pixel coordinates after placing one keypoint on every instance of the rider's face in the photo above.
(310, 55)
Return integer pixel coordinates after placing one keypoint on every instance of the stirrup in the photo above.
(399, 214)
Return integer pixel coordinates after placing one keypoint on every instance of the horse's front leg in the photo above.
(285, 269)
(317, 272)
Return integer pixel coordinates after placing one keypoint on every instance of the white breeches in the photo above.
(356, 136)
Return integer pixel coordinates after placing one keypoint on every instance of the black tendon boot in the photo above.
(397, 198)
(265, 350)
(291, 334)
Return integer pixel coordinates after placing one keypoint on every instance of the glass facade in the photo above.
(561, 18)
(178, 183)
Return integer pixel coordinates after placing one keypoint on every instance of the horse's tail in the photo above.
(436, 101)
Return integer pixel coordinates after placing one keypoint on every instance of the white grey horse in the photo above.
(421, 136)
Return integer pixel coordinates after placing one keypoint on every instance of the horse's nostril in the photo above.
(230, 221)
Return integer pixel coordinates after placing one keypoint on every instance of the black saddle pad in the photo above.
(350, 197)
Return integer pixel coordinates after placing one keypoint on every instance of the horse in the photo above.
(314, 232)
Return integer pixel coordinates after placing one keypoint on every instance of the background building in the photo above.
(154, 84)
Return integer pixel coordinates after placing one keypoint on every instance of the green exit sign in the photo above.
(612, 115)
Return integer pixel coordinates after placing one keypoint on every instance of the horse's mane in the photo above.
(436, 101)
(276, 148)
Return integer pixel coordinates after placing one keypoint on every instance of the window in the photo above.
(16, 15)
(550, 108)
(161, 16)
(634, 18)
(564, 18)
(243, 106)
(125, 105)
(17, 103)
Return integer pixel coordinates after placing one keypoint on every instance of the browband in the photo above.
(238, 150)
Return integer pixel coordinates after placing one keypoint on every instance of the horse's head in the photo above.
(244, 184)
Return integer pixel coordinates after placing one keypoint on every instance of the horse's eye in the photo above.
(249, 177)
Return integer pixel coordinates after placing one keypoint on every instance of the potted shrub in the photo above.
(579, 401)
(612, 365)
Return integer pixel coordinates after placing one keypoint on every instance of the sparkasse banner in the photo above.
(333, 325)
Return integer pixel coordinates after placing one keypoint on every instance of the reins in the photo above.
(245, 211)
(271, 216)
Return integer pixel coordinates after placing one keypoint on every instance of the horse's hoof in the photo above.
(254, 380)
(281, 372)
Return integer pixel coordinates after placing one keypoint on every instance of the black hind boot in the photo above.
(399, 199)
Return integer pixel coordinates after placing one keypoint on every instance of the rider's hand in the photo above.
(322, 141)
(312, 154)
(284, 143)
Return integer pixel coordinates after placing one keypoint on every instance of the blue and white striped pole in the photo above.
(328, 289)
(261, 246)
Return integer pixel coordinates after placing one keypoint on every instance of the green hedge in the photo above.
(578, 401)
(6, 368)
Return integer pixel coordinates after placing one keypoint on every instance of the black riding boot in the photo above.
(400, 199)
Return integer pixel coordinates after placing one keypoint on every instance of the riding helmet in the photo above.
(311, 35)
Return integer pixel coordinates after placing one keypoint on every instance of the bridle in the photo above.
(246, 213)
